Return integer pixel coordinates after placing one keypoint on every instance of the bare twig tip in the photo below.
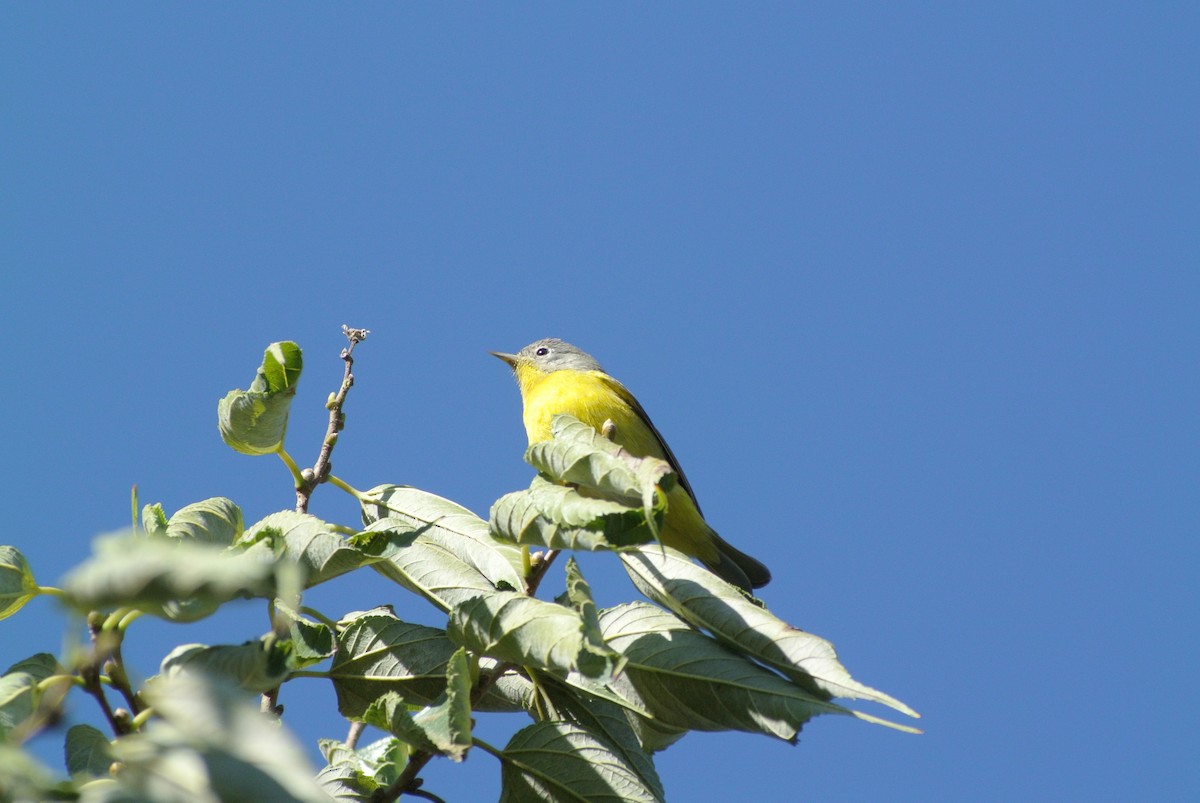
(355, 335)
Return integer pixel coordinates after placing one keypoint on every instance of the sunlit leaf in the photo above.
(320, 550)
(17, 585)
(175, 579)
(562, 517)
(23, 778)
(530, 632)
(687, 680)
(443, 728)
(254, 421)
(213, 521)
(311, 641)
(372, 766)
(378, 653)
(705, 601)
(436, 548)
(19, 695)
(209, 739)
(154, 519)
(255, 666)
(580, 455)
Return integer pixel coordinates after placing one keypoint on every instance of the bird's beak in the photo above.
(511, 359)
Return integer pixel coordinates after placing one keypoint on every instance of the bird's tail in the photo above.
(734, 566)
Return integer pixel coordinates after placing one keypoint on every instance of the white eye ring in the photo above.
(542, 352)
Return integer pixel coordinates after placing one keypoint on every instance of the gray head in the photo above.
(551, 354)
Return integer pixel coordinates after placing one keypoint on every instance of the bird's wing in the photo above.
(629, 399)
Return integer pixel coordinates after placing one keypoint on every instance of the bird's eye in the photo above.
(542, 352)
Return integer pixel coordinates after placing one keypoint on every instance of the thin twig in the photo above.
(320, 470)
(356, 729)
(310, 478)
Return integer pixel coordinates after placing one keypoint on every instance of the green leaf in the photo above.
(88, 752)
(705, 601)
(23, 778)
(346, 783)
(434, 547)
(509, 693)
(177, 579)
(530, 632)
(19, 695)
(312, 642)
(320, 550)
(561, 517)
(378, 653)
(443, 728)
(209, 742)
(254, 421)
(17, 585)
(154, 520)
(560, 761)
(608, 722)
(687, 680)
(214, 521)
(255, 666)
(580, 455)
(354, 775)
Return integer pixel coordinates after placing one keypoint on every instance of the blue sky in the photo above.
(912, 291)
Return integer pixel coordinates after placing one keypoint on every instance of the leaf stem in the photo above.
(487, 748)
(337, 482)
(297, 474)
(320, 617)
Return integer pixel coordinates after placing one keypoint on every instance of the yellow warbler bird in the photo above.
(556, 377)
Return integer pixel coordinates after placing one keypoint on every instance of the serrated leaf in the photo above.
(510, 693)
(215, 521)
(378, 653)
(379, 763)
(320, 550)
(580, 455)
(346, 783)
(607, 721)
(443, 728)
(17, 585)
(436, 548)
(687, 680)
(154, 520)
(561, 517)
(670, 579)
(312, 642)
(88, 752)
(254, 421)
(255, 666)
(448, 724)
(560, 761)
(530, 632)
(174, 579)
(281, 366)
(19, 695)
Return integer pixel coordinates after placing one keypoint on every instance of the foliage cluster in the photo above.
(605, 689)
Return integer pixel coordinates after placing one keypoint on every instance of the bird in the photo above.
(556, 377)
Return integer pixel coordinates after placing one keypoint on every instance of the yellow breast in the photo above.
(590, 396)
(594, 398)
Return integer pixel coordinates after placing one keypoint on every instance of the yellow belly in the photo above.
(592, 398)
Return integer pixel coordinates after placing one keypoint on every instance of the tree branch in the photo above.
(320, 471)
